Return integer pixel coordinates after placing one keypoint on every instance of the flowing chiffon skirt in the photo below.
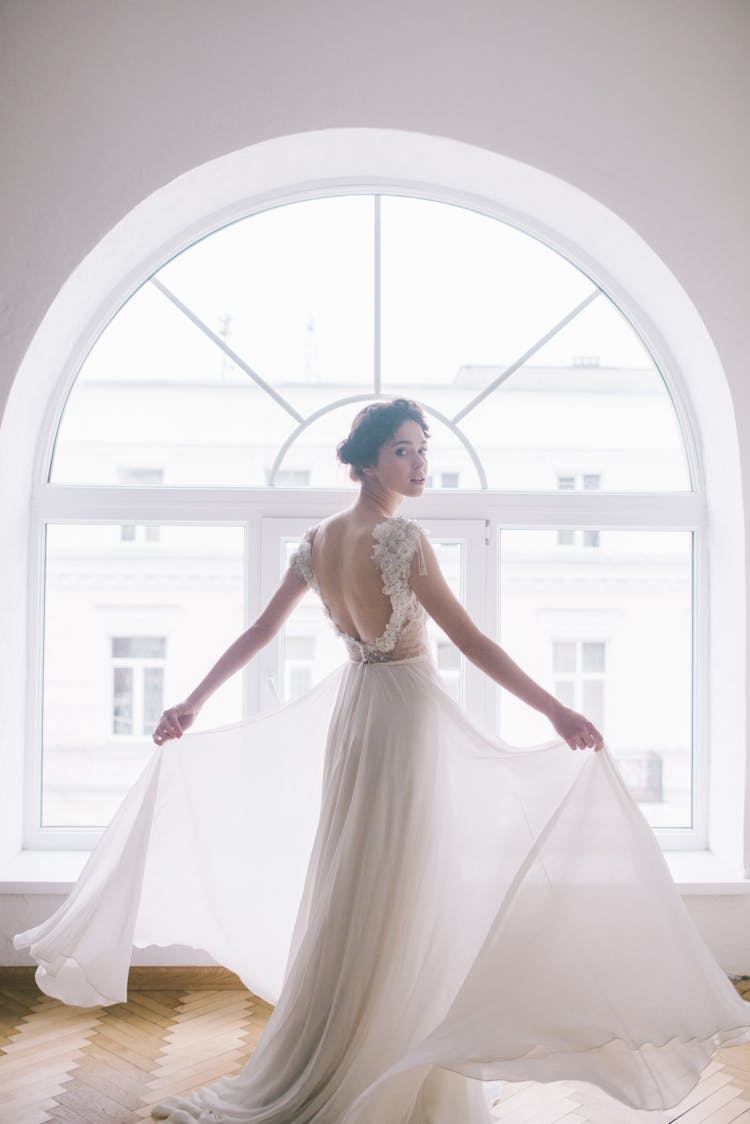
(429, 908)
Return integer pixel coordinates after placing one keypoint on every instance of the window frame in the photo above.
(255, 508)
(246, 507)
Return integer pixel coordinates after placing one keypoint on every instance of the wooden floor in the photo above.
(185, 1027)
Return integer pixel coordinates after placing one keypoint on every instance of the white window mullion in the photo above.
(600, 510)
(252, 693)
(249, 508)
(377, 319)
(32, 821)
(701, 679)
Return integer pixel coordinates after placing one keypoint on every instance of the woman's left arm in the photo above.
(447, 611)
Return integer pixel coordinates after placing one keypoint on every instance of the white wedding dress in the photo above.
(430, 908)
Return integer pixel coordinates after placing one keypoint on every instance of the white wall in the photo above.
(640, 103)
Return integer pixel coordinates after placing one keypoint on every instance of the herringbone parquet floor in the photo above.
(184, 1028)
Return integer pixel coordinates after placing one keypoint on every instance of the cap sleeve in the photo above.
(301, 561)
(421, 564)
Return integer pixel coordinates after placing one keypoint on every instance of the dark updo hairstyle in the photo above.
(372, 427)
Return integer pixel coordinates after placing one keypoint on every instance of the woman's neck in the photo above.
(376, 500)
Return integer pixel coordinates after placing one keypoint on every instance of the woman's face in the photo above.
(402, 461)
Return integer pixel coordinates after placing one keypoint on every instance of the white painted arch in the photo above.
(302, 165)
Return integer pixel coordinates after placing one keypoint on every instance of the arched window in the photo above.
(197, 442)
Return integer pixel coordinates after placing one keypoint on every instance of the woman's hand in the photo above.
(576, 729)
(174, 722)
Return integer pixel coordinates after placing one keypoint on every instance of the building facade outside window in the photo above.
(261, 341)
(579, 668)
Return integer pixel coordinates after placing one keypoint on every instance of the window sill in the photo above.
(54, 872)
(702, 872)
(41, 872)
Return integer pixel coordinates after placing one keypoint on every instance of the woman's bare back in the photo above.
(349, 579)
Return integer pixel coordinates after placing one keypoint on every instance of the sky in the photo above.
(292, 290)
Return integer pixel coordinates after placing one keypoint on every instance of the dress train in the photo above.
(431, 909)
(470, 911)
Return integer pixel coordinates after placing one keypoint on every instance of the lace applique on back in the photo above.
(395, 541)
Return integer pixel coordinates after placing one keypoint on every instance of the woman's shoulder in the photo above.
(398, 527)
(302, 557)
(320, 525)
(396, 540)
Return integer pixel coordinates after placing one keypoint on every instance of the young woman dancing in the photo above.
(431, 909)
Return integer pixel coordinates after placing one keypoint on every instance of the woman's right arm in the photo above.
(177, 719)
(447, 611)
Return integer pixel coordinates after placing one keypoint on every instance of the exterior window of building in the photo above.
(449, 479)
(579, 668)
(137, 683)
(588, 482)
(124, 633)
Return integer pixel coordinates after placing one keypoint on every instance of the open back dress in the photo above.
(430, 909)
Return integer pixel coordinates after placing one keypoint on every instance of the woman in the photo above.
(387, 450)
(468, 912)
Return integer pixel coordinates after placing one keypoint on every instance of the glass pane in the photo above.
(452, 560)
(300, 647)
(292, 478)
(107, 613)
(565, 691)
(300, 681)
(122, 701)
(563, 656)
(290, 291)
(600, 413)
(593, 656)
(448, 656)
(314, 452)
(592, 703)
(307, 626)
(155, 392)
(631, 606)
(464, 298)
(312, 457)
(153, 697)
(463, 293)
